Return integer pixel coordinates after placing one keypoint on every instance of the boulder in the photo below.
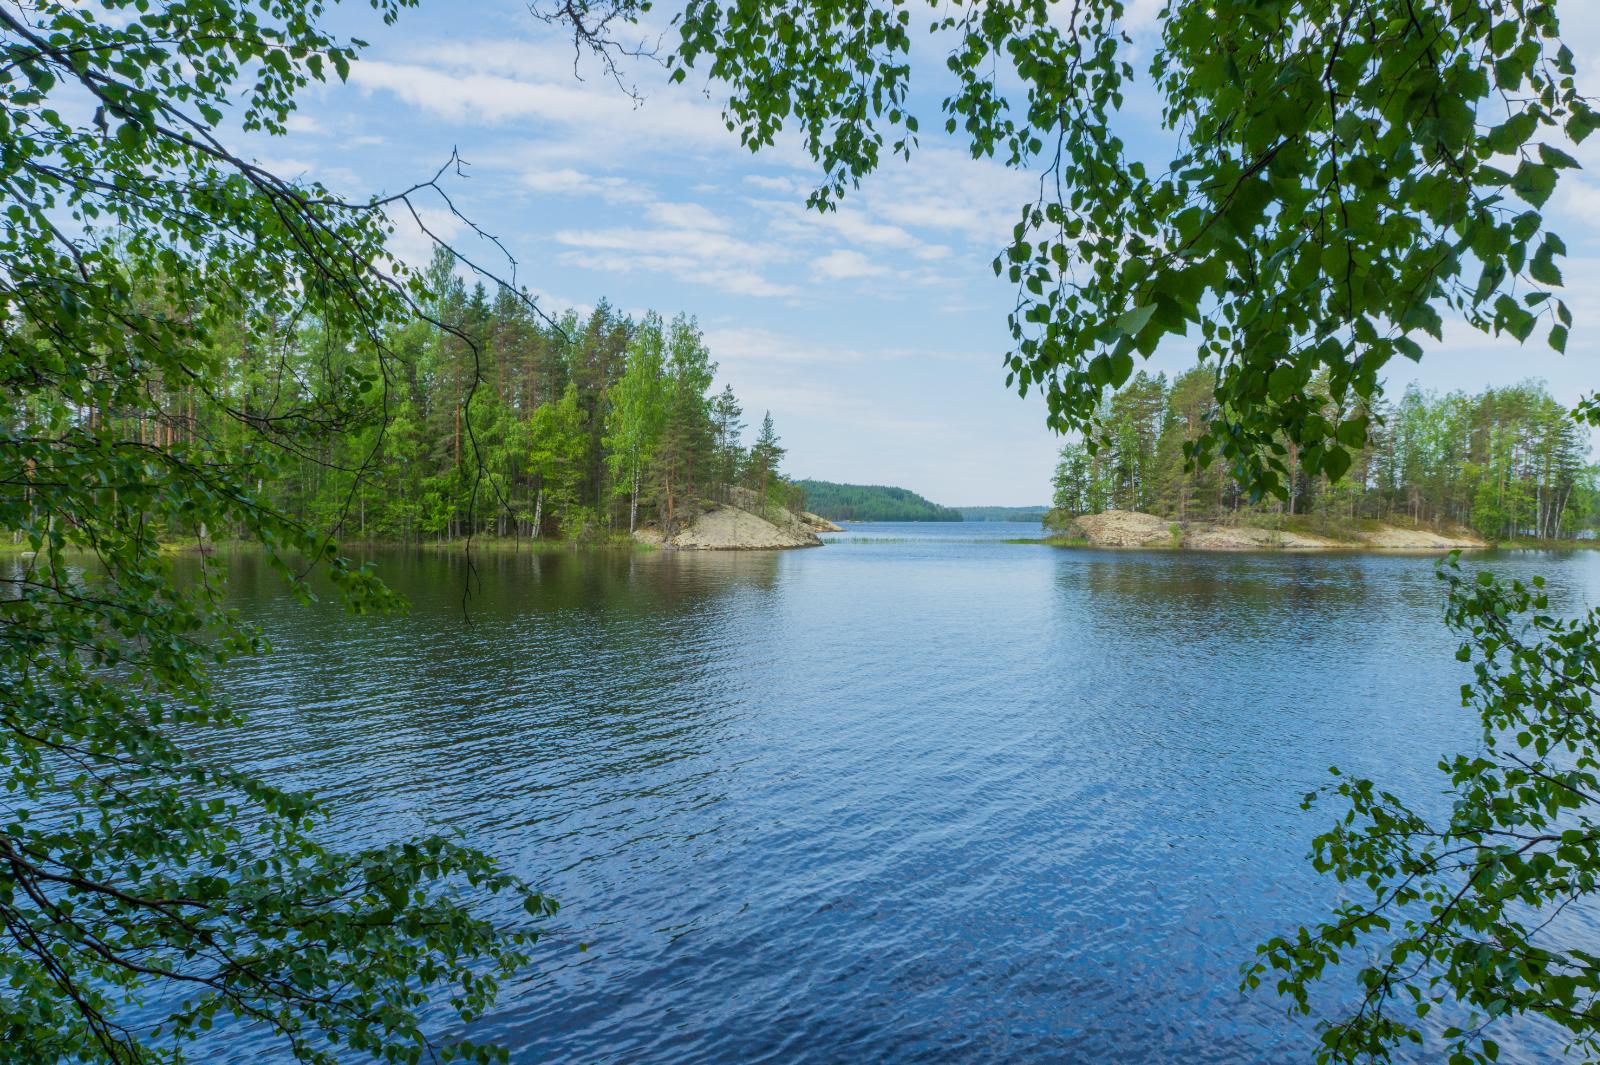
(1122, 528)
(818, 523)
(739, 524)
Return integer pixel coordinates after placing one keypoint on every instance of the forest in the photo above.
(484, 419)
(871, 502)
(1508, 463)
(1028, 514)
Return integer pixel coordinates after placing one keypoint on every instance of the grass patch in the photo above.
(1056, 541)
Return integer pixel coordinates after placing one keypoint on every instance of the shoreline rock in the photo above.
(740, 524)
(818, 523)
(1127, 528)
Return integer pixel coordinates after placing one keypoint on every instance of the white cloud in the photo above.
(1578, 200)
(788, 186)
(410, 244)
(289, 169)
(1142, 15)
(686, 216)
(690, 242)
(839, 407)
(917, 207)
(1137, 16)
(855, 226)
(702, 256)
(555, 305)
(844, 264)
(601, 112)
(901, 228)
(567, 181)
(730, 280)
(745, 346)
(947, 190)
(342, 179)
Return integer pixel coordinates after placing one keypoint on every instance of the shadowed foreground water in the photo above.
(918, 795)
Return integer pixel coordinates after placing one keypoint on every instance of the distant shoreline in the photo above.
(1340, 548)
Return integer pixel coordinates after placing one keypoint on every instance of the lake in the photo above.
(917, 795)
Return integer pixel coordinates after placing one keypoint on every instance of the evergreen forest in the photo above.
(1507, 463)
(871, 502)
(484, 419)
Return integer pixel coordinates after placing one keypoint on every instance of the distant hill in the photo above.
(1003, 513)
(871, 502)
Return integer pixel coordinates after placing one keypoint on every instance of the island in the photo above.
(1131, 528)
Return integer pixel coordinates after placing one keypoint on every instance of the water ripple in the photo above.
(920, 795)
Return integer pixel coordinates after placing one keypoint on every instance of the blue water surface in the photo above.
(918, 795)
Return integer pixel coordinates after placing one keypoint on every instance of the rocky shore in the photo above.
(740, 524)
(1127, 528)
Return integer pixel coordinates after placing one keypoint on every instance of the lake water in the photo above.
(917, 795)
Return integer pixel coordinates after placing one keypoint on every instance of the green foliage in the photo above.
(1464, 910)
(456, 431)
(580, 428)
(726, 435)
(638, 411)
(152, 901)
(1345, 176)
(765, 455)
(1507, 462)
(555, 455)
(683, 463)
(871, 502)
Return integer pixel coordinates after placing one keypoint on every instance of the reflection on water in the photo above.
(918, 794)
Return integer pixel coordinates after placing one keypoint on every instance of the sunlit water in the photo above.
(918, 795)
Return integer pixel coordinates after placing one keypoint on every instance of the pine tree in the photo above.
(726, 432)
(765, 456)
(684, 453)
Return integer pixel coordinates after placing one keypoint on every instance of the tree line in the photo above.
(1507, 462)
(484, 418)
(872, 502)
(1026, 514)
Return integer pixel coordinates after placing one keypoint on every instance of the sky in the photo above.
(874, 335)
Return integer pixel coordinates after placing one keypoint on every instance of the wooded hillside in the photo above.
(871, 502)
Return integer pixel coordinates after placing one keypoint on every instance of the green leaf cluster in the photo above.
(1462, 913)
(151, 900)
(1346, 176)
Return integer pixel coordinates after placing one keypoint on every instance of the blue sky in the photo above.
(874, 335)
